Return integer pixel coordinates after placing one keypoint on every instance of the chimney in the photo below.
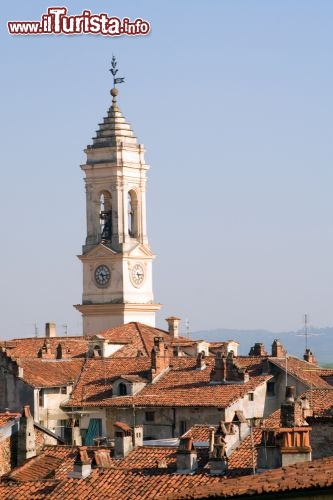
(26, 445)
(102, 458)
(290, 443)
(123, 443)
(291, 410)
(258, 350)
(217, 451)
(227, 370)
(160, 359)
(201, 364)
(186, 456)
(173, 324)
(309, 357)
(50, 330)
(278, 351)
(82, 464)
(138, 436)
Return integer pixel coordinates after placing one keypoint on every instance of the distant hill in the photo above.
(320, 340)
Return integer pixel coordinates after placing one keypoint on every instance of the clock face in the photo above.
(137, 275)
(102, 275)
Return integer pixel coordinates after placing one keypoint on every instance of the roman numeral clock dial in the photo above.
(102, 275)
(137, 275)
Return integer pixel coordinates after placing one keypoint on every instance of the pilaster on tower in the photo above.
(116, 257)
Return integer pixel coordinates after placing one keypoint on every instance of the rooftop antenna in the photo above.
(187, 327)
(36, 329)
(306, 332)
(65, 327)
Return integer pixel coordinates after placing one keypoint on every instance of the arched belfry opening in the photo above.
(105, 215)
(133, 214)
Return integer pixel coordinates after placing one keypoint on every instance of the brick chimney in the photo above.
(186, 456)
(160, 358)
(201, 363)
(45, 351)
(227, 370)
(50, 330)
(290, 443)
(258, 350)
(217, 450)
(173, 324)
(82, 464)
(309, 357)
(291, 410)
(278, 351)
(123, 442)
(26, 444)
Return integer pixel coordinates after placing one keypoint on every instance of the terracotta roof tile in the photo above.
(27, 348)
(45, 373)
(182, 385)
(308, 373)
(8, 417)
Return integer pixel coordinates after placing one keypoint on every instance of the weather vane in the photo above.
(114, 71)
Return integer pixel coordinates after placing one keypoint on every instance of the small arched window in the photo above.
(122, 389)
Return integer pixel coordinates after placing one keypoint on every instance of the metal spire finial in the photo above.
(114, 71)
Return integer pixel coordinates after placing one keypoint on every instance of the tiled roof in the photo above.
(33, 490)
(8, 417)
(244, 457)
(182, 385)
(273, 420)
(150, 473)
(321, 402)
(293, 478)
(308, 373)
(44, 373)
(139, 337)
(28, 348)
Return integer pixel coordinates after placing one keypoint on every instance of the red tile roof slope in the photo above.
(44, 373)
(139, 337)
(182, 385)
(8, 417)
(33, 490)
(28, 348)
(321, 402)
(309, 374)
(315, 475)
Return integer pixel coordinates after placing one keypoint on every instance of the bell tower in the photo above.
(116, 257)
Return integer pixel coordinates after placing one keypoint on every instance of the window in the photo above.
(150, 416)
(182, 427)
(251, 396)
(270, 388)
(41, 398)
(122, 389)
(63, 390)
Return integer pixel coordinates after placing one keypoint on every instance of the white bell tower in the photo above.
(116, 257)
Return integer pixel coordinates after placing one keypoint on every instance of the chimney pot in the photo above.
(173, 324)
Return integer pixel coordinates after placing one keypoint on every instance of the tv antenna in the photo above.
(65, 328)
(36, 329)
(306, 332)
(187, 327)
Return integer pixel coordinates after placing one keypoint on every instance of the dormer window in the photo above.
(122, 389)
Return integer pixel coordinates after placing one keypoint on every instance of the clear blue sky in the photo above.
(233, 101)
